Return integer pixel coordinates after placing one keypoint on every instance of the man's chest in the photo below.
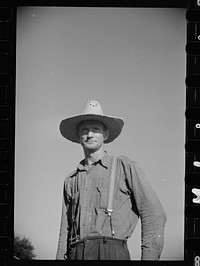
(90, 188)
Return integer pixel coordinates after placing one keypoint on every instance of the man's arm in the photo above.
(62, 241)
(152, 214)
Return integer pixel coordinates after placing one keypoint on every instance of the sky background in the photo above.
(131, 60)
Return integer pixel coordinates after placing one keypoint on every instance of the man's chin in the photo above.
(91, 146)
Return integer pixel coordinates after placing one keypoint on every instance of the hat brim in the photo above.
(68, 127)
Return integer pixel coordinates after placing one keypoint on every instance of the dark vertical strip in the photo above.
(7, 128)
(192, 143)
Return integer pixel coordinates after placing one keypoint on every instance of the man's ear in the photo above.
(78, 139)
(106, 134)
(77, 135)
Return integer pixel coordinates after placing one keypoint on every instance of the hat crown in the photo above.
(93, 107)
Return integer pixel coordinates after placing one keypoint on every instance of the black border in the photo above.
(8, 9)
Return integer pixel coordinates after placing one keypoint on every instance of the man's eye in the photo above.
(83, 130)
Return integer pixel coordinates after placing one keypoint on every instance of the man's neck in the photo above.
(92, 157)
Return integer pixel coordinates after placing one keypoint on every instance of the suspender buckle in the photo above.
(109, 212)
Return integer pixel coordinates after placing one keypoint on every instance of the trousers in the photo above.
(99, 248)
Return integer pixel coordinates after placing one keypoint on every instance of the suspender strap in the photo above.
(111, 187)
(110, 197)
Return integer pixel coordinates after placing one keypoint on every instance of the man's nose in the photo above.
(90, 133)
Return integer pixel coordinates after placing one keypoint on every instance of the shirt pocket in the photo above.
(102, 194)
(121, 195)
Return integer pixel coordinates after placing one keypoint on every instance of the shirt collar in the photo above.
(103, 162)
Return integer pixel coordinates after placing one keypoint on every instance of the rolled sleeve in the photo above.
(151, 212)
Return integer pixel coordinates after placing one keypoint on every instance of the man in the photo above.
(89, 231)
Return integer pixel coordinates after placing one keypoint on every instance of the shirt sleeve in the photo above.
(62, 241)
(151, 212)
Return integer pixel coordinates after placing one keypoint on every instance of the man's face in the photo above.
(92, 135)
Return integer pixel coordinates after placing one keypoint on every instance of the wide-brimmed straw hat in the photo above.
(92, 111)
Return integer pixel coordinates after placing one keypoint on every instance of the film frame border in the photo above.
(8, 11)
(192, 142)
(7, 128)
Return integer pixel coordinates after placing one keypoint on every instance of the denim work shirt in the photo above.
(84, 203)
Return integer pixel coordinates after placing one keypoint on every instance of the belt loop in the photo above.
(105, 239)
(85, 241)
(124, 243)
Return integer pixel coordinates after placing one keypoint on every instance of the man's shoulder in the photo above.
(123, 158)
(126, 161)
(70, 175)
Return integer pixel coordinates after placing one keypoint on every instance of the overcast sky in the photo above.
(132, 61)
